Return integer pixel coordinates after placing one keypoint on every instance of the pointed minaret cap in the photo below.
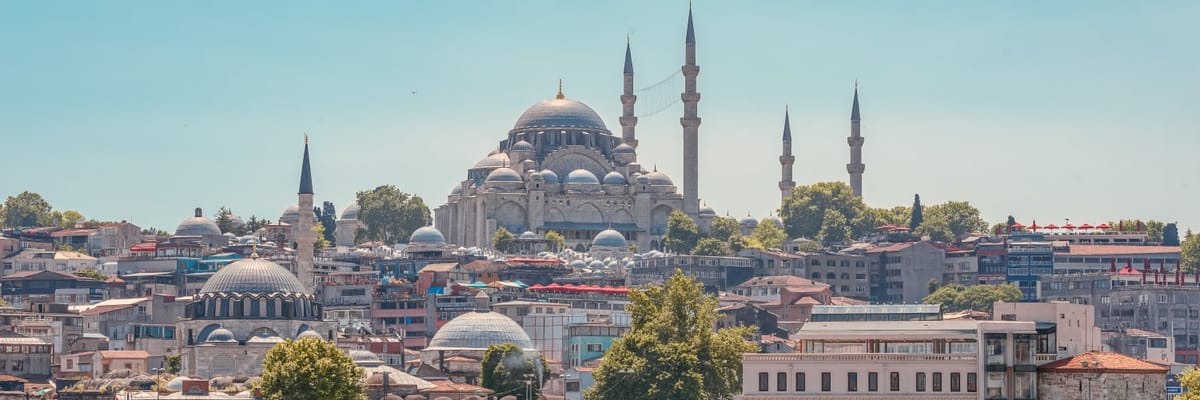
(560, 94)
(787, 125)
(854, 109)
(306, 172)
(628, 57)
(691, 33)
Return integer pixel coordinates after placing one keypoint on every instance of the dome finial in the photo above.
(559, 95)
(254, 251)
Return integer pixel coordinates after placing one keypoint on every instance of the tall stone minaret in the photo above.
(856, 166)
(690, 122)
(305, 236)
(786, 160)
(628, 119)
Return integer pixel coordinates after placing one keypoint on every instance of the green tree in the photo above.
(172, 363)
(310, 369)
(321, 243)
(557, 241)
(501, 237)
(671, 350)
(936, 228)
(1190, 381)
(1154, 231)
(254, 224)
(933, 285)
(810, 247)
(682, 233)
(834, 228)
(224, 219)
(1009, 223)
(917, 213)
(69, 218)
(28, 209)
(1189, 252)
(64, 247)
(724, 228)
(711, 247)
(740, 242)
(804, 212)
(390, 215)
(960, 217)
(91, 273)
(770, 235)
(1170, 235)
(327, 216)
(954, 297)
(505, 368)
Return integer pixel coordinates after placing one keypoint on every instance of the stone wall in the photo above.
(1100, 386)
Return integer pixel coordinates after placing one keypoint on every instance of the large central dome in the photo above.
(477, 331)
(253, 276)
(560, 113)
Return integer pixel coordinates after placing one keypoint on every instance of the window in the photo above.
(955, 382)
(18, 365)
(826, 381)
(781, 382)
(920, 381)
(800, 382)
(1104, 300)
(764, 383)
(851, 381)
(872, 381)
(972, 382)
(595, 347)
(937, 381)
(894, 377)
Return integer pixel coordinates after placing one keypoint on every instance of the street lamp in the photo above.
(529, 385)
(158, 385)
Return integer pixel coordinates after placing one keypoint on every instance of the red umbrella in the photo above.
(1017, 225)
(1068, 226)
(553, 287)
(570, 287)
(1051, 226)
(1103, 226)
(536, 287)
(1085, 226)
(1035, 226)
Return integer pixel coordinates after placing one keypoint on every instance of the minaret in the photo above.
(305, 236)
(856, 166)
(787, 159)
(690, 122)
(628, 120)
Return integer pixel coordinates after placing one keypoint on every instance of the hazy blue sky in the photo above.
(1044, 110)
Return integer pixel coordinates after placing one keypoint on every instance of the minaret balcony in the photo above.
(855, 141)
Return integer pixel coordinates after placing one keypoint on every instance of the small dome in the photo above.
(220, 335)
(706, 210)
(775, 220)
(290, 215)
(495, 160)
(198, 225)
(657, 179)
(456, 190)
(614, 178)
(549, 176)
(582, 176)
(350, 212)
(522, 146)
(310, 334)
(363, 357)
(478, 330)
(623, 148)
(609, 238)
(503, 174)
(527, 235)
(748, 221)
(253, 276)
(597, 264)
(560, 113)
(427, 235)
(578, 264)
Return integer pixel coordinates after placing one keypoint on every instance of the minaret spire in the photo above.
(305, 172)
(786, 185)
(303, 232)
(856, 166)
(690, 122)
(628, 119)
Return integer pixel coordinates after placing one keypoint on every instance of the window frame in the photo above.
(826, 381)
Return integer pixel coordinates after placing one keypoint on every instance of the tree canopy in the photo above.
(769, 235)
(91, 273)
(954, 297)
(711, 247)
(390, 215)
(834, 228)
(310, 369)
(1190, 381)
(1189, 252)
(671, 350)
(723, 228)
(960, 217)
(501, 237)
(224, 220)
(937, 228)
(682, 233)
(917, 213)
(505, 369)
(557, 241)
(804, 212)
(327, 216)
(28, 209)
(1170, 235)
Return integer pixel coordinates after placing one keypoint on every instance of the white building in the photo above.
(1069, 329)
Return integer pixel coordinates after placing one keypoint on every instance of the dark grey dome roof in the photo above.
(657, 179)
(582, 176)
(503, 174)
(220, 335)
(197, 226)
(350, 212)
(253, 276)
(706, 210)
(560, 113)
(614, 178)
(609, 238)
(494, 160)
(748, 221)
(522, 146)
(427, 235)
(549, 176)
(478, 330)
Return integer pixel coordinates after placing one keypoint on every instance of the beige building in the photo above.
(1069, 329)
(48, 260)
(1102, 376)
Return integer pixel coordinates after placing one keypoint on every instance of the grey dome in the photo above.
(775, 220)
(427, 235)
(364, 357)
(614, 178)
(549, 176)
(748, 221)
(197, 226)
(560, 113)
(253, 276)
(456, 190)
(309, 333)
(495, 160)
(609, 238)
(706, 210)
(522, 146)
(503, 174)
(657, 179)
(623, 148)
(220, 335)
(478, 330)
(527, 235)
(582, 176)
(290, 215)
(351, 211)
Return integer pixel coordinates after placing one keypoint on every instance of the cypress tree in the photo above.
(916, 219)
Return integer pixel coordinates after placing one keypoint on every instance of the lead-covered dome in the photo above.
(657, 179)
(623, 148)
(549, 176)
(427, 235)
(198, 225)
(522, 146)
(351, 211)
(253, 276)
(560, 113)
(477, 331)
(609, 238)
(494, 160)
(503, 174)
(614, 178)
(582, 176)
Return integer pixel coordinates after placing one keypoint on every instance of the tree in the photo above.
(682, 233)
(804, 212)
(310, 369)
(91, 273)
(739, 242)
(711, 247)
(502, 235)
(960, 217)
(770, 235)
(557, 241)
(505, 368)
(917, 216)
(724, 228)
(254, 224)
(172, 363)
(327, 216)
(28, 209)
(68, 219)
(322, 242)
(1010, 222)
(1189, 252)
(933, 285)
(954, 297)
(224, 219)
(1154, 231)
(390, 215)
(834, 228)
(1190, 381)
(1170, 235)
(671, 350)
(936, 228)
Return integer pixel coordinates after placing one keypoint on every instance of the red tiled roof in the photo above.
(1119, 250)
(780, 280)
(451, 387)
(1108, 362)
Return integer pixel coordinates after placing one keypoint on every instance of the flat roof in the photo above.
(878, 309)
(858, 329)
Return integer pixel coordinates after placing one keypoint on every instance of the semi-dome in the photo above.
(494, 160)
(253, 276)
(427, 235)
(220, 335)
(351, 211)
(623, 148)
(477, 331)
(582, 176)
(560, 113)
(614, 178)
(198, 225)
(609, 238)
(657, 179)
(522, 146)
(549, 176)
(503, 174)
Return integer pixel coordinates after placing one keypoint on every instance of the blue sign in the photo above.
(1174, 390)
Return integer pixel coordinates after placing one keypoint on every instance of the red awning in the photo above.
(536, 287)
(1068, 226)
(1017, 225)
(1051, 226)
(1086, 226)
(1103, 226)
(149, 246)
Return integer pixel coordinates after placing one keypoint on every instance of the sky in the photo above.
(142, 110)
